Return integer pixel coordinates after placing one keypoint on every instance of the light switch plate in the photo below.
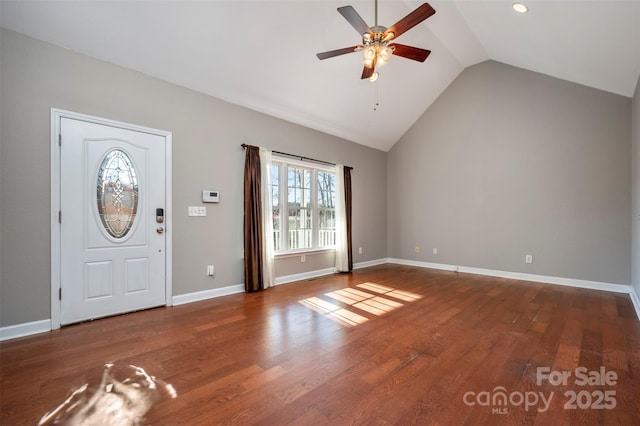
(197, 211)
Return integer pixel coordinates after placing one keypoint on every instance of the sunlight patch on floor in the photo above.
(346, 317)
(335, 312)
(407, 296)
(374, 304)
(345, 296)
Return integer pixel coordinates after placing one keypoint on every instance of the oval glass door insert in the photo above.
(117, 193)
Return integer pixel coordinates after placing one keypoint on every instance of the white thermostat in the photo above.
(210, 196)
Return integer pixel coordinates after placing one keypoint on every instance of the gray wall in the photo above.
(509, 162)
(635, 212)
(207, 134)
(506, 163)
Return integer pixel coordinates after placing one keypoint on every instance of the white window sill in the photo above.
(303, 252)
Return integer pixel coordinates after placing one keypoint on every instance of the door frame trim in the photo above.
(56, 117)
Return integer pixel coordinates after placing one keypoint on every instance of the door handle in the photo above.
(159, 229)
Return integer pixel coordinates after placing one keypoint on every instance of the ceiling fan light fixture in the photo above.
(386, 52)
(520, 8)
(375, 40)
(369, 53)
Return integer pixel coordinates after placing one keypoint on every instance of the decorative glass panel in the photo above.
(117, 193)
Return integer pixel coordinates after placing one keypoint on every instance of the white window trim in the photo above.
(298, 253)
(283, 203)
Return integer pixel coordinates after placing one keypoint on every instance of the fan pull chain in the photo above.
(376, 103)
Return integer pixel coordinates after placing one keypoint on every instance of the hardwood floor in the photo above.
(384, 345)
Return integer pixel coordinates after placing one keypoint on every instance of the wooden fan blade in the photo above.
(411, 20)
(410, 52)
(337, 52)
(367, 72)
(354, 19)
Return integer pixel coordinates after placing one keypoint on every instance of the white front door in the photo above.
(112, 239)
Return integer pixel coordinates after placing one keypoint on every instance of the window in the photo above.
(326, 209)
(303, 199)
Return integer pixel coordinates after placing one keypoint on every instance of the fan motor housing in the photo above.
(376, 34)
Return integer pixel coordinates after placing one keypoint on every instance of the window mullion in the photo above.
(283, 185)
(315, 217)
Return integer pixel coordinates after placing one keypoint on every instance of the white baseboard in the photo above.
(25, 329)
(327, 271)
(304, 276)
(635, 300)
(571, 282)
(366, 264)
(198, 296)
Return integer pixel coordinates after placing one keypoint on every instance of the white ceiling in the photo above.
(261, 54)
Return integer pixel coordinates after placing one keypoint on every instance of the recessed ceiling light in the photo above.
(520, 8)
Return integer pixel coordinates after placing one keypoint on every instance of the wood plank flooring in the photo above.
(385, 345)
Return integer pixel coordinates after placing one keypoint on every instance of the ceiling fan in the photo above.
(376, 40)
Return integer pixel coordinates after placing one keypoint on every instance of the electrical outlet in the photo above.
(435, 250)
(210, 270)
(303, 258)
(360, 250)
(417, 249)
(528, 258)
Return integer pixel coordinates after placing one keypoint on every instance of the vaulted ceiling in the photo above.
(261, 54)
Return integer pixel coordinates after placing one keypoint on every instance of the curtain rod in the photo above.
(299, 157)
